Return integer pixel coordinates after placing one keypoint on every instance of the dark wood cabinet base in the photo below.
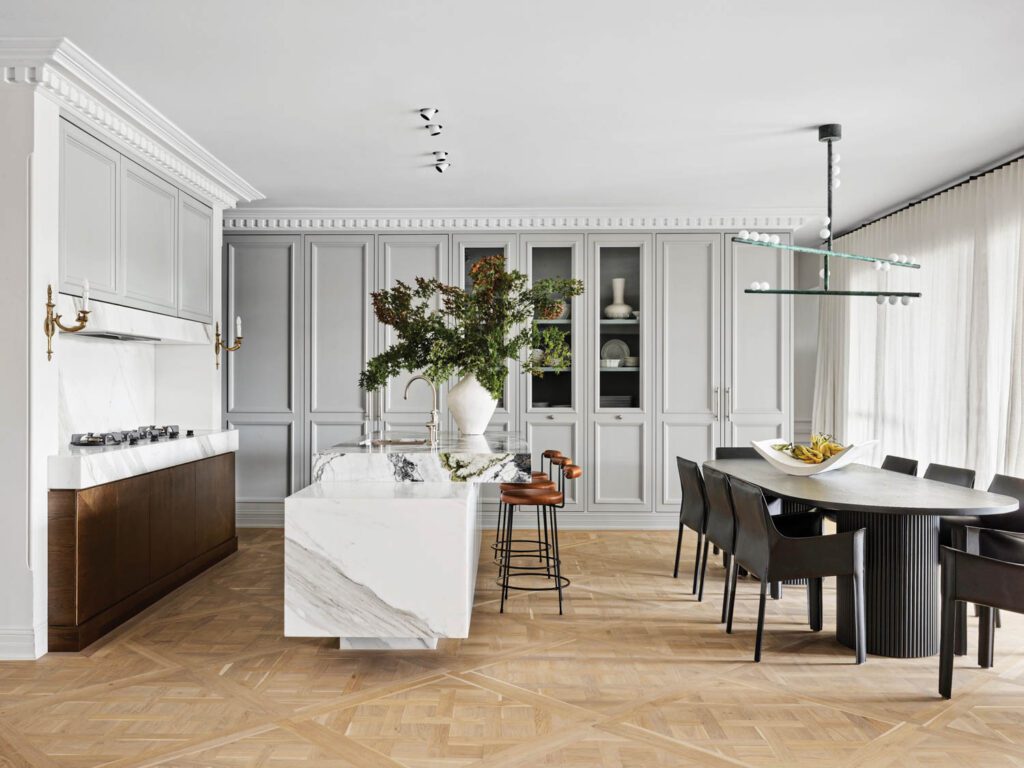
(117, 548)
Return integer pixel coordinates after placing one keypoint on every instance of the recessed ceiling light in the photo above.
(440, 155)
(442, 167)
(427, 113)
(434, 128)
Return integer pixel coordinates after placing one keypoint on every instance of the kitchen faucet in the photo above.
(435, 420)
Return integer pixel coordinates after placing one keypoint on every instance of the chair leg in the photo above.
(760, 619)
(696, 561)
(731, 576)
(999, 618)
(960, 642)
(703, 570)
(776, 590)
(679, 547)
(814, 604)
(986, 636)
(725, 593)
(946, 641)
(860, 624)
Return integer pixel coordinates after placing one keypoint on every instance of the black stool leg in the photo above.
(497, 532)
(547, 545)
(540, 551)
(558, 556)
(507, 559)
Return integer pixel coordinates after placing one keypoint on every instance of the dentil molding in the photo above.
(83, 89)
(360, 220)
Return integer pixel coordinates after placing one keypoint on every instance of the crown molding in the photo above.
(82, 88)
(438, 219)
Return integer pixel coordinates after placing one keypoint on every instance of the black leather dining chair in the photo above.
(952, 475)
(744, 452)
(792, 547)
(953, 533)
(693, 512)
(990, 576)
(720, 529)
(900, 464)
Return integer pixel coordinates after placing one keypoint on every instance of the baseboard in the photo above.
(271, 515)
(22, 643)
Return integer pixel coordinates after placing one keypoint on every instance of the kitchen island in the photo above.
(381, 551)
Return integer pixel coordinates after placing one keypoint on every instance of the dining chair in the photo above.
(719, 530)
(953, 533)
(900, 464)
(990, 576)
(793, 547)
(952, 475)
(693, 512)
(742, 452)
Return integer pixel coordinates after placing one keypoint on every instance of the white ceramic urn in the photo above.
(471, 405)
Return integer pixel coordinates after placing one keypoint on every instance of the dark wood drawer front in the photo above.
(118, 547)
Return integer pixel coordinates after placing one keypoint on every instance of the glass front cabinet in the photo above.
(620, 308)
(553, 402)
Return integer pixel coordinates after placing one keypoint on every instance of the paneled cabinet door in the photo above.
(561, 432)
(688, 355)
(757, 383)
(149, 210)
(339, 339)
(620, 465)
(406, 257)
(263, 379)
(195, 265)
(89, 181)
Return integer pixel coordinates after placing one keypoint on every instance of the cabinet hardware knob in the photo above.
(618, 417)
(551, 417)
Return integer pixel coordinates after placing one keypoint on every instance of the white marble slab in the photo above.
(381, 565)
(501, 458)
(77, 467)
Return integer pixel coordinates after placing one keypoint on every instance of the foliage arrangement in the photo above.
(444, 330)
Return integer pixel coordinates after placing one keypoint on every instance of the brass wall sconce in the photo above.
(53, 323)
(219, 345)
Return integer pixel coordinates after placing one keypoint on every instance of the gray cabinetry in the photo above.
(406, 257)
(195, 263)
(89, 181)
(620, 463)
(688, 354)
(263, 382)
(149, 212)
(339, 273)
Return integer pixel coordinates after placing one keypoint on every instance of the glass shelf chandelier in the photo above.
(829, 134)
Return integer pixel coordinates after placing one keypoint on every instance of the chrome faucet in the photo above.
(435, 416)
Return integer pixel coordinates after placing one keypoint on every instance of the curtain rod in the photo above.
(965, 180)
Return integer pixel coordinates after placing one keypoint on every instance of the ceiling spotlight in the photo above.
(440, 155)
(434, 128)
(427, 113)
(442, 167)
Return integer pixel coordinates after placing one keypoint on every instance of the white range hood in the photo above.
(110, 321)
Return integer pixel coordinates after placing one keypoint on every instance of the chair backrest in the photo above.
(721, 527)
(745, 452)
(1006, 485)
(982, 580)
(952, 475)
(694, 509)
(1007, 546)
(900, 464)
(754, 528)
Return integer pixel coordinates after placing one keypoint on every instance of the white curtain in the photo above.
(939, 380)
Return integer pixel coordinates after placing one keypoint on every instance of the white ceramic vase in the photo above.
(471, 405)
(618, 309)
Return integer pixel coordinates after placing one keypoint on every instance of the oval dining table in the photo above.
(901, 516)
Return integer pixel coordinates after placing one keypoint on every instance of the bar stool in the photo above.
(549, 501)
(539, 480)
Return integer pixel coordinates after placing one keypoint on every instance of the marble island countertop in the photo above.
(76, 467)
(402, 457)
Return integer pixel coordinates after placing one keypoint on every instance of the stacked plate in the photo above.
(616, 401)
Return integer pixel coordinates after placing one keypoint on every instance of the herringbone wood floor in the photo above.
(635, 674)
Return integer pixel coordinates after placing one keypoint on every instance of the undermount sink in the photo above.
(379, 442)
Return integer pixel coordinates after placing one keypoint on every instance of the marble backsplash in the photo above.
(104, 385)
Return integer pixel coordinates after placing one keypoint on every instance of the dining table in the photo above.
(900, 514)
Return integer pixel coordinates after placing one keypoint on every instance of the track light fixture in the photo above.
(427, 113)
(434, 128)
(442, 166)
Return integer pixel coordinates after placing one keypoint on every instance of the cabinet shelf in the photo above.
(538, 321)
(620, 370)
(634, 321)
(556, 370)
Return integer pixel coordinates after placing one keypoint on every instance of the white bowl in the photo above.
(791, 466)
(610, 363)
(631, 362)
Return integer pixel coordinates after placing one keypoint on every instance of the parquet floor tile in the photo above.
(636, 673)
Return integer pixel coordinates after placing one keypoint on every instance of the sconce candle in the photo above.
(238, 326)
(85, 295)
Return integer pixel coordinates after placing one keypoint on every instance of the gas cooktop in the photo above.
(150, 434)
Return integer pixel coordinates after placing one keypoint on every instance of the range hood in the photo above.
(113, 322)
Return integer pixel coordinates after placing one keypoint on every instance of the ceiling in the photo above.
(700, 106)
